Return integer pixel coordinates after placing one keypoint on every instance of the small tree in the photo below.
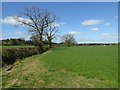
(68, 39)
(35, 40)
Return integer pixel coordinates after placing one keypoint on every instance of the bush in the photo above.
(9, 56)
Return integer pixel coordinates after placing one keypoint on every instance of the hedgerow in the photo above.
(10, 55)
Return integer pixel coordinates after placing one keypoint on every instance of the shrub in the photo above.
(9, 56)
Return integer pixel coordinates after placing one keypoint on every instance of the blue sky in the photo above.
(87, 21)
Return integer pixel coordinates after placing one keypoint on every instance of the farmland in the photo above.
(87, 66)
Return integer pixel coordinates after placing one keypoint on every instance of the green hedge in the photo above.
(9, 56)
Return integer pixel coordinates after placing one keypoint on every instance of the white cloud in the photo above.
(55, 24)
(91, 22)
(18, 33)
(107, 24)
(87, 40)
(22, 35)
(58, 24)
(109, 36)
(94, 29)
(11, 20)
(62, 23)
(106, 34)
(115, 37)
(74, 33)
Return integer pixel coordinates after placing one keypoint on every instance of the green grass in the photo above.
(99, 62)
(15, 46)
(82, 67)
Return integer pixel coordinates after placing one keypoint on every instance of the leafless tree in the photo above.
(37, 20)
(49, 34)
(68, 39)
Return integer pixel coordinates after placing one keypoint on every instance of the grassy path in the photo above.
(38, 72)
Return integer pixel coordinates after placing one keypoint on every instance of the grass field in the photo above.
(14, 46)
(77, 67)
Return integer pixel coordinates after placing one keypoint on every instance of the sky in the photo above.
(89, 22)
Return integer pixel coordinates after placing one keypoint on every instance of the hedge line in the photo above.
(9, 56)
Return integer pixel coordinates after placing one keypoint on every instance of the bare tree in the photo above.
(68, 39)
(37, 21)
(49, 34)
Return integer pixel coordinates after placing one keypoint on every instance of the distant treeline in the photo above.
(20, 41)
(14, 41)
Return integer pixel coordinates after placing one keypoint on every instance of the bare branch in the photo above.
(68, 39)
(38, 20)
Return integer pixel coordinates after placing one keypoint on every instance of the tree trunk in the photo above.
(40, 47)
(40, 44)
(68, 44)
(50, 44)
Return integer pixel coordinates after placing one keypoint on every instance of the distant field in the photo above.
(3, 47)
(77, 67)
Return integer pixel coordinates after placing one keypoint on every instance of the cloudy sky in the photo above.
(87, 21)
